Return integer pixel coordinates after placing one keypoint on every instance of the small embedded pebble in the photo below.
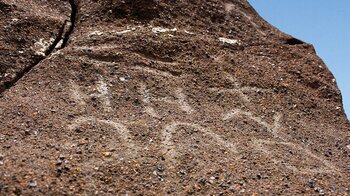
(160, 168)
(311, 183)
(232, 189)
(62, 157)
(211, 180)
(106, 154)
(32, 184)
(182, 172)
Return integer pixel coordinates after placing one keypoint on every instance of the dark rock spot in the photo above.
(5, 8)
(140, 10)
(294, 41)
(218, 17)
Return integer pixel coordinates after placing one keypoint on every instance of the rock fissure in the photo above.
(73, 18)
(63, 35)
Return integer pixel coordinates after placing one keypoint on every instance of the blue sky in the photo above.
(323, 23)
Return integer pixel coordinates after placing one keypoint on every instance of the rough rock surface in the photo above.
(164, 97)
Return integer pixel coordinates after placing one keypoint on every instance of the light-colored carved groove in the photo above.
(180, 101)
(103, 94)
(120, 129)
(76, 93)
(149, 57)
(169, 147)
(238, 92)
(238, 89)
(327, 167)
(152, 58)
(155, 71)
(146, 98)
(274, 128)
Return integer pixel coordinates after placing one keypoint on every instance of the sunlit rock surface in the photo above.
(164, 97)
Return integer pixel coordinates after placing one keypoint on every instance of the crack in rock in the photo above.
(63, 36)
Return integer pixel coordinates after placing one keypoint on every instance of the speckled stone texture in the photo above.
(164, 97)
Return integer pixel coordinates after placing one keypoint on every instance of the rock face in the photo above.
(164, 97)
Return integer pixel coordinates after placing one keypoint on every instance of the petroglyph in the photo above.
(76, 93)
(102, 89)
(238, 89)
(90, 60)
(241, 95)
(274, 128)
(154, 59)
(178, 98)
(180, 101)
(155, 71)
(90, 54)
(146, 99)
(119, 128)
(169, 147)
(104, 93)
(322, 165)
(97, 55)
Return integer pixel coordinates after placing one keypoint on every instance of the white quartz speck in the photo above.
(228, 41)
